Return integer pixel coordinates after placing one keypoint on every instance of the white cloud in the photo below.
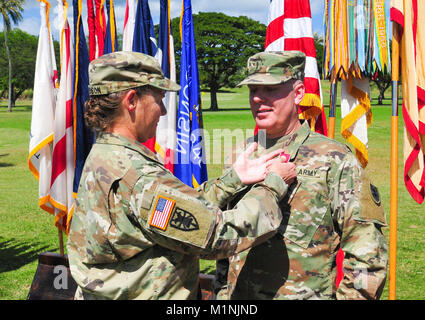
(31, 25)
(31, 4)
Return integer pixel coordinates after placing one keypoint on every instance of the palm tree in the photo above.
(10, 11)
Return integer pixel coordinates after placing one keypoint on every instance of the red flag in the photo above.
(61, 195)
(410, 15)
(129, 20)
(92, 29)
(290, 28)
(100, 26)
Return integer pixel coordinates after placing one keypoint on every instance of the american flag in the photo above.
(290, 28)
(162, 212)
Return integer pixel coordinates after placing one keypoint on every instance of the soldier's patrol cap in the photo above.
(274, 67)
(124, 70)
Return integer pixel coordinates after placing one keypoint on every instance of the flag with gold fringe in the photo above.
(356, 48)
(111, 41)
(165, 142)
(83, 136)
(98, 29)
(43, 109)
(410, 15)
(61, 192)
(144, 41)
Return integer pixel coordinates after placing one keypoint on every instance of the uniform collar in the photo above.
(290, 143)
(119, 140)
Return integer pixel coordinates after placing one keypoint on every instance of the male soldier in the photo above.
(331, 205)
(137, 231)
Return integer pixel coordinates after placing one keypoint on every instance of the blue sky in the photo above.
(255, 9)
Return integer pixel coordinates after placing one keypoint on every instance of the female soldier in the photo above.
(137, 231)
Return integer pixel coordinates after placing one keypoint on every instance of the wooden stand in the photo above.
(44, 285)
(52, 271)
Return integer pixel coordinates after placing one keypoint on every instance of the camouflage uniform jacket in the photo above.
(118, 250)
(331, 205)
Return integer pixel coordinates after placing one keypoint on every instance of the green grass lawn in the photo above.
(26, 230)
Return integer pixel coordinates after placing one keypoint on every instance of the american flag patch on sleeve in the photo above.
(162, 212)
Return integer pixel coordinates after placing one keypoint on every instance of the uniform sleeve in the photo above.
(220, 191)
(180, 218)
(360, 216)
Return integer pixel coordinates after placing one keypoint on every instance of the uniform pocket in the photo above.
(307, 205)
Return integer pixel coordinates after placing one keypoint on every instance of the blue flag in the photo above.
(111, 43)
(361, 58)
(144, 41)
(164, 33)
(144, 32)
(190, 166)
(84, 137)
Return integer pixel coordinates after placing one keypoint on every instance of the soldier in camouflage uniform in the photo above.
(137, 231)
(331, 205)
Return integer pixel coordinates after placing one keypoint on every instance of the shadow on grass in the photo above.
(15, 254)
(3, 165)
(208, 270)
(24, 108)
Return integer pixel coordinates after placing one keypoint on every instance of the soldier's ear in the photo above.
(299, 90)
(129, 100)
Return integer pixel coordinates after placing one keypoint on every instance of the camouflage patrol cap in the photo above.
(124, 70)
(268, 68)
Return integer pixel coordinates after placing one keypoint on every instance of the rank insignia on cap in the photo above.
(162, 212)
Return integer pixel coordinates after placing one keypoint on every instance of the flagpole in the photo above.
(394, 163)
(61, 250)
(331, 131)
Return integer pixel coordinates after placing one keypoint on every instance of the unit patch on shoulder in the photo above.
(184, 220)
(375, 194)
(370, 202)
(162, 212)
(179, 216)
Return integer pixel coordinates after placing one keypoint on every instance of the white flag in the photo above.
(356, 115)
(43, 108)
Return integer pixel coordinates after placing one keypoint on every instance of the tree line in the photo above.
(223, 45)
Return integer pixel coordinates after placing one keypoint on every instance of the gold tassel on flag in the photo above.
(356, 115)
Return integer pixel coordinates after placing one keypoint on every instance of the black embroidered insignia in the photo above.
(375, 194)
(183, 220)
